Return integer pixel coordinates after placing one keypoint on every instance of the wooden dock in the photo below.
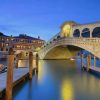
(19, 74)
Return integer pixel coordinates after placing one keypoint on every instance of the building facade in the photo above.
(21, 42)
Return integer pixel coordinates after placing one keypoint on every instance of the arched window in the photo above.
(26, 53)
(96, 32)
(6, 49)
(54, 39)
(76, 33)
(58, 37)
(86, 32)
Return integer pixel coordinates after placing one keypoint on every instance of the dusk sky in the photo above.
(44, 17)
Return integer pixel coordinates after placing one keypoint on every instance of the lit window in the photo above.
(21, 40)
(33, 41)
(7, 44)
(23, 46)
(18, 46)
(12, 39)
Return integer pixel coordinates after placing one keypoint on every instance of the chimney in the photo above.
(38, 37)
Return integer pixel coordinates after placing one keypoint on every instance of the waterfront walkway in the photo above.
(18, 75)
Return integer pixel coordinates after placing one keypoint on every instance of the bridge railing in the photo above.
(74, 40)
(90, 44)
(54, 37)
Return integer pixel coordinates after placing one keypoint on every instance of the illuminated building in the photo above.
(21, 42)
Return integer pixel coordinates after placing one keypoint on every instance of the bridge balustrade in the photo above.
(72, 40)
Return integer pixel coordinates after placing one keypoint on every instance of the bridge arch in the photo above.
(76, 33)
(96, 32)
(67, 34)
(63, 51)
(86, 32)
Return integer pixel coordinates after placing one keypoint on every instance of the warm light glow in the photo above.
(12, 39)
(7, 39)
(6, 44)
(22, 40)
(67, 90)
(72, 59)
(41, 71)
(37, 49)
(18, 46)
(66, 30)
(33, 41)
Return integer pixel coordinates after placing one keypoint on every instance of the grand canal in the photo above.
(59, 80)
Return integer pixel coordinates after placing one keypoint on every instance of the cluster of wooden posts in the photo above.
(88, 61)
(10, 67)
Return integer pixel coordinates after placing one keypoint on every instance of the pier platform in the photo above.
(19, 75)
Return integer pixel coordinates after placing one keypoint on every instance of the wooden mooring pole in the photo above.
(37, 62)
(88, 62)
(94, 61)
(82, 58)
(9, 82)
(30, 65)
(17, 60)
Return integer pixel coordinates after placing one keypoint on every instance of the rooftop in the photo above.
(1, 34)
(21, 36)
(24, 36)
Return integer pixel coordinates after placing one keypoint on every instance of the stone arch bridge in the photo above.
(71, 39)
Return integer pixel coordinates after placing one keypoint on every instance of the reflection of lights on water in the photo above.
(67, 90)
(23, 63)
(89, 83)
(72, 59)
(40, 71)
(19, 63)
(34, 63)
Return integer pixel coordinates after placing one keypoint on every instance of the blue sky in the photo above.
(44, 17)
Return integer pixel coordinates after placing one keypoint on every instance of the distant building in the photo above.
(21, 42)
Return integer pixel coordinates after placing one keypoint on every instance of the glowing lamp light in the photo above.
(66, 30)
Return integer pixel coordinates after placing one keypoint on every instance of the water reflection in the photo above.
(23, 63)
(60, 80)
(67, 90)
(41, 72)
(30, 90)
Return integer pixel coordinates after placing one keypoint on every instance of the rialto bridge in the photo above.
(71, 39)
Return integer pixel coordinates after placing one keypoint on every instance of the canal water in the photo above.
(59, 80)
